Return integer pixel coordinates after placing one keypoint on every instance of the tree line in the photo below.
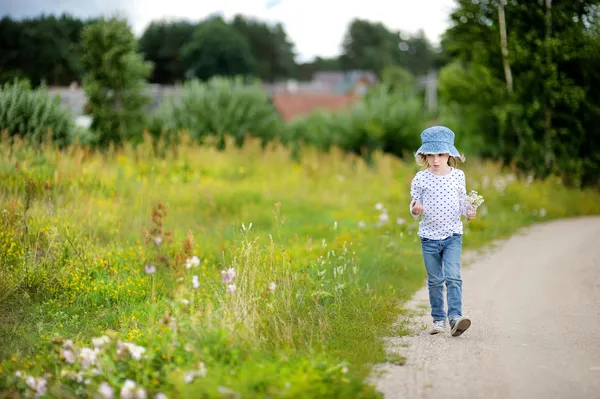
(47, 49)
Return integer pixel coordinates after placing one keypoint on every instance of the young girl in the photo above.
(438, 194)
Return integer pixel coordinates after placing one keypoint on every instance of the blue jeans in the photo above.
(442, 261)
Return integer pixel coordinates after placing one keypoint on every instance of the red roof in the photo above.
(291, 106)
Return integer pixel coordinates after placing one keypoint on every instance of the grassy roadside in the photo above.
(318, 267)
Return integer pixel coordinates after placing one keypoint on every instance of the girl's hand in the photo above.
(417, 208)
(471, 213)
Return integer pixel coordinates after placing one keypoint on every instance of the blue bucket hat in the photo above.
(438, 140)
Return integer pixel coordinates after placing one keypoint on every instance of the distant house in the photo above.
(293, 105)
(348, 82)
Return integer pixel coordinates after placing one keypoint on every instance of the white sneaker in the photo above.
(459, 325)
(439, 326)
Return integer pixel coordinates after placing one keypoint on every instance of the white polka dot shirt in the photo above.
(443, 199)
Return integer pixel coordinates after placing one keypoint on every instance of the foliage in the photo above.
(548, 123)
(373, 47)
(270, 47)
(114, 81)
(34, 114)
(385, 119)
(42, 49)
(108, 262)
(220, 107)
(217, 49)
(162, 43)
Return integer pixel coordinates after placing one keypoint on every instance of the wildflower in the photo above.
(135, 351)
(529, 180)
(18, 374)
(231, 288)
(474, 199)
(543, 212)
(194, 261)
(101, 341)
(192, 375)
(158, 240)
(68, 355)
(185, 302)
(105, 391)
(195, 282)
(400, 221)
(344, 370)
(383, 218)
(160, 395)
(88, 357)
(271, 287)
(516, 207)
(379, 206)
(130, 390)
(361, 224)
(150, 269)
(68, 344)
(38, 385)
(227, 275)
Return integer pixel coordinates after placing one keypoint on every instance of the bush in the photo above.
(219, 107)
(386, 120)
(34, 114)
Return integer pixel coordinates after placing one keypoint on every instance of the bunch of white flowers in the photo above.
(474, 199)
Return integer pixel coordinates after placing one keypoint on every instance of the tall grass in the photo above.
(103, 243)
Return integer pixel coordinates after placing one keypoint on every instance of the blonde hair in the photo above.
(452, 160)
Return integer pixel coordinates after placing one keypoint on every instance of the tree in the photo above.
(369, 46)
(162, 43)
(549, 122)
(41, 49)
(217, 49)
(270, 47)
(115, 77)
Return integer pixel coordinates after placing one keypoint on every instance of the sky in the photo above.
(316, 27)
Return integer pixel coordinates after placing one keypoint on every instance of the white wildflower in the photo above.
(383, 218)
(129, 389)
(186, 302)
(400, 221)
(345, 370)
(158, 240)
(231, 288)
(101, 341)
(227, 275)
(160, 395)
(543, 212)
(135, 351)
(516, 207)
(485, 181)
(105, 391)
(271, 287)
(361, 224)
(195, 282)
(38, 385)
(68, 344)
(194, 261)
(18, 374)
(529, 180)
(379, 206)
(474, 199)
(341, 178)
(150, 269)
(68, 355)
(88, 357)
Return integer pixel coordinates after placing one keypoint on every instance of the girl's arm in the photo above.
(416, 194)
(462, 193)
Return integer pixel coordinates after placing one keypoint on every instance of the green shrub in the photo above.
(219, 107)
(386, 120)
(34, 114)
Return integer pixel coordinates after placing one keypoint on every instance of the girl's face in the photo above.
(438, 161)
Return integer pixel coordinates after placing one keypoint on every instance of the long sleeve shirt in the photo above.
(443, 199)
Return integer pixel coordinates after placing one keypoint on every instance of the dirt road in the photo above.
(534, 301)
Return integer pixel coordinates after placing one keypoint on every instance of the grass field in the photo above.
(219, 274)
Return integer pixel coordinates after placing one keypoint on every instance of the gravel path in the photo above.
(534, 301)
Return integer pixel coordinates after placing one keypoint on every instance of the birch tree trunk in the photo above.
(504, 45)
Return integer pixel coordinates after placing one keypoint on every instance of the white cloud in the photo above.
(316, 27)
